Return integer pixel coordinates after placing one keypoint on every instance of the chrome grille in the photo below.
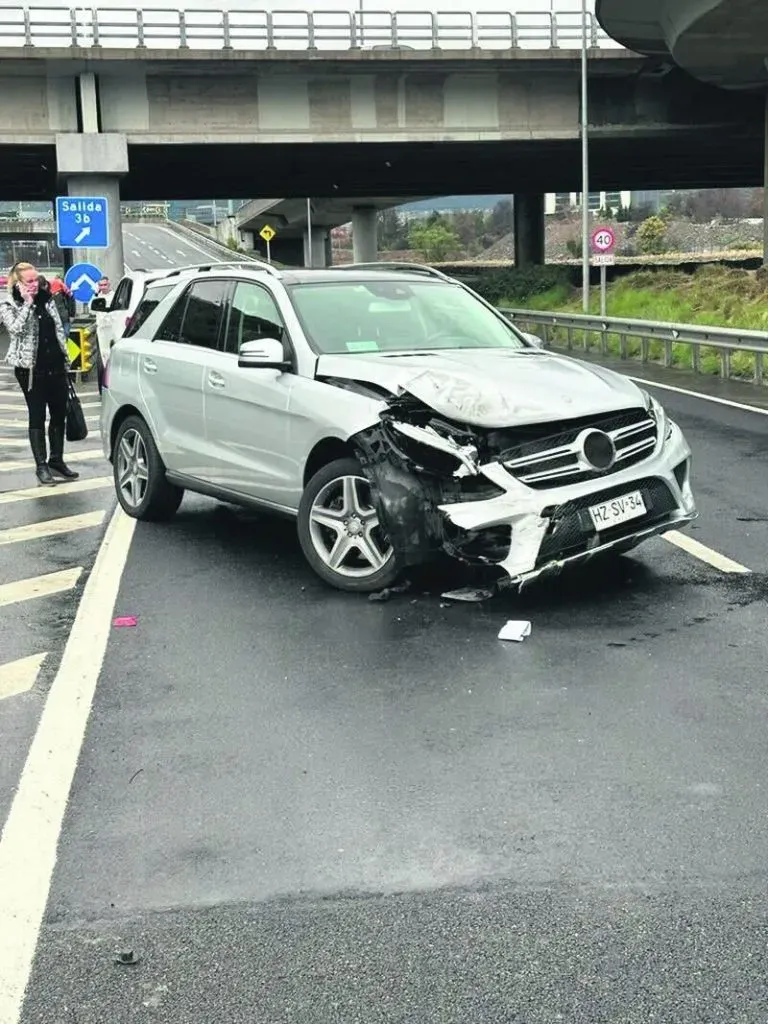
(556, 460)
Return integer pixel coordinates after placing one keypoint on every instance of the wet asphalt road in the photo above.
(300, 806)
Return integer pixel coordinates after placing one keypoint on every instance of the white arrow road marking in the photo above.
(39, 586)
(75, 487)
(82, 235)
(51, 528)
(20, 676)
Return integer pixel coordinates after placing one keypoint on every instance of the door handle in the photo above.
(216, 380)
(150, 366)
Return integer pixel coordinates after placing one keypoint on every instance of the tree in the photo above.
(393, 231)
(502, 219)
(434, 241)
(651, 235)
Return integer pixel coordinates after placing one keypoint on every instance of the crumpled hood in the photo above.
(493, 388)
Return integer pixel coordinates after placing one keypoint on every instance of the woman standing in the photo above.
(38, 352)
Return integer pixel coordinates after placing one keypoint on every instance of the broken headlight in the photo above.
(656, 411)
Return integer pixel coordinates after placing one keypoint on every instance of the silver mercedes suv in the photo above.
(394, 414)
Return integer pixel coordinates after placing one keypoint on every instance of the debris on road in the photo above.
(516, 631)
(389, 592)
(123, 621)
(126, 958)
(468, 594)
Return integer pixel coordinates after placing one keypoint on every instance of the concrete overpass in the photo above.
(357, 123)
(720, 42)
(20, 230)
(289, 219)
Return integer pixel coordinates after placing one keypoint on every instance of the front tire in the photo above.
(340, 533)
(139, 473)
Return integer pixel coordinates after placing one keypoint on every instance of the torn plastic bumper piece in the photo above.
(418, 492)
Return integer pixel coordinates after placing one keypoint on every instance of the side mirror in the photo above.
(265, 354)
(534, 339)
(99, 305)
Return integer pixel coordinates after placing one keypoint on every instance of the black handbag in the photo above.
(77, 428)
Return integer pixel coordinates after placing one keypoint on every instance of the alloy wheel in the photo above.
(132, 468)
(345, 529)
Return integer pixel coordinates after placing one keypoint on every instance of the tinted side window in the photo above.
(147, 307)
(253, 315)
(170, 328)
(202, 316)
(122, 298)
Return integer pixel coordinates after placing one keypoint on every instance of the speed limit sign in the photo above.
(603, 241)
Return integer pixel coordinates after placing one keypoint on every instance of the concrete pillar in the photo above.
(529, 229)
(320, 238)
(92, 164)
(89, 103)
(365, 242)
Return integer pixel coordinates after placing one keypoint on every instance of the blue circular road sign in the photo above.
(83, 281)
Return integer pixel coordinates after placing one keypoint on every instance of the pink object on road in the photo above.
(125, 620)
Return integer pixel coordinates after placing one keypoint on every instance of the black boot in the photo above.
(56, 462)
(37, 443)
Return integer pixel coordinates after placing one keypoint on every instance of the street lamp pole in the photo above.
(584, 163)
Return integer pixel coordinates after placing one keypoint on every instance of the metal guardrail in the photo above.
(665, 343)
(205, 29)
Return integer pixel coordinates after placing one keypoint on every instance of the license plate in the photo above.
(618, 511)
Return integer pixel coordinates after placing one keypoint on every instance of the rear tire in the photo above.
(139, 473)
(340, 533)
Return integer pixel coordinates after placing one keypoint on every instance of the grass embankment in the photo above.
(713, 295)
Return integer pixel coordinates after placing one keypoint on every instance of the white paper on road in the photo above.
(516, 631)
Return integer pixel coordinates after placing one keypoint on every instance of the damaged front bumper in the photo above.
(479, 512)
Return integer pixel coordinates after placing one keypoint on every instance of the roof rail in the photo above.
(225, 265)
(413, 268)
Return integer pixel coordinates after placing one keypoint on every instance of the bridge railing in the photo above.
(734, 354)
(204, 29)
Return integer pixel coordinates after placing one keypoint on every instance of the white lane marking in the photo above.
(38, 586)
(74, 456)
(697, 394)
(22, 442)
(135, 252)
(10, 407)
(189, 245)
(705, 554)
(51, 528)
(17, 677)
(22, 422)
(30, 838)
(73, 487)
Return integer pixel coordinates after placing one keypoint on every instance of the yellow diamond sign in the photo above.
(267, 233)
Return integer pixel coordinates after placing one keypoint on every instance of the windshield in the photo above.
(397, 316)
